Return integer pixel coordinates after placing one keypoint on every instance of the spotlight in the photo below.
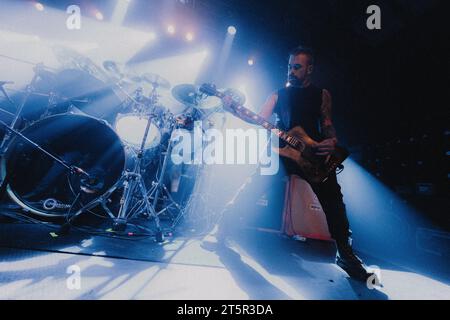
(39, 6)
(99, 16)
(232, 30)
(120, 12)
(152, 36)
(189, 36)
(171, 29)
(250, 62)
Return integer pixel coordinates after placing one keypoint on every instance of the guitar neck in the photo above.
(283, 135)
(292, 141)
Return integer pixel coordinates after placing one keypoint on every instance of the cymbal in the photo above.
(156, 80)
(116, 71)
(89, 94)
(186, 94)
(71, 59)
(112, 67)
(189, 95)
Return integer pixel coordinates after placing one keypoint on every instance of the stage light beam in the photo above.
(225, 53)
(120, 12)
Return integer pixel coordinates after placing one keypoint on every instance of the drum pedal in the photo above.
(159, 236)
(119, 225)
(64, 229)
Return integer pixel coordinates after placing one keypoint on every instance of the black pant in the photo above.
(331, 199)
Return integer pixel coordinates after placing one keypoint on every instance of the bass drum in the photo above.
(43, 186)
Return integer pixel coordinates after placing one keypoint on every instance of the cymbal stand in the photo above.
(2, 83)
(159, 189)
(130, 181)
(28, 91)
(71, 168)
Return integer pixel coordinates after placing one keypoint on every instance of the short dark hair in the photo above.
(303, 50)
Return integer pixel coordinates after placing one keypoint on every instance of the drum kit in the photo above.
(91, 139)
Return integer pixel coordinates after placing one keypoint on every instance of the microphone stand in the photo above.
(73, 169)
(2, 83)
(29, 90)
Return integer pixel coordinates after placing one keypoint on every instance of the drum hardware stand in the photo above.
(2, 83)
(159, 187)
(53, 99)
(4, 144)
(198, 199)
(71, 168)
(129, 180)
(10, 129)
(137, 94)
(28, 91)
(188, 205)
(135, 178)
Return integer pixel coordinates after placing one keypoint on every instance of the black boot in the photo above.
(350, 262)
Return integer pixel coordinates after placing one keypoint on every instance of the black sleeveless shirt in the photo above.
(299, 107)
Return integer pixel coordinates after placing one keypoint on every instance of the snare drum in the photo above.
(131, 129)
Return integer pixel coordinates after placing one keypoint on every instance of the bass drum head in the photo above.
(131, 129)
(43, 186)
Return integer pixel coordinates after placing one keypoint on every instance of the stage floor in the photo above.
(253, 264)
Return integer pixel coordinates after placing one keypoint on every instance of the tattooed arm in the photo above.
(326, 126)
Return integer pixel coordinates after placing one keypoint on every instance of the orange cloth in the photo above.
(303, 214)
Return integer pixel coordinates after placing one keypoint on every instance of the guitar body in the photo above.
(315, 169)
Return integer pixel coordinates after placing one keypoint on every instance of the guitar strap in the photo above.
(283, 110)
(308, 100)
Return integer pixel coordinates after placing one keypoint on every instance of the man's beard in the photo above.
(294, 81)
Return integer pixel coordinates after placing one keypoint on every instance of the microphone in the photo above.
(80, 171)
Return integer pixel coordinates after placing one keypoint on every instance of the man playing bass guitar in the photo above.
(302, 108)
(301, 103)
